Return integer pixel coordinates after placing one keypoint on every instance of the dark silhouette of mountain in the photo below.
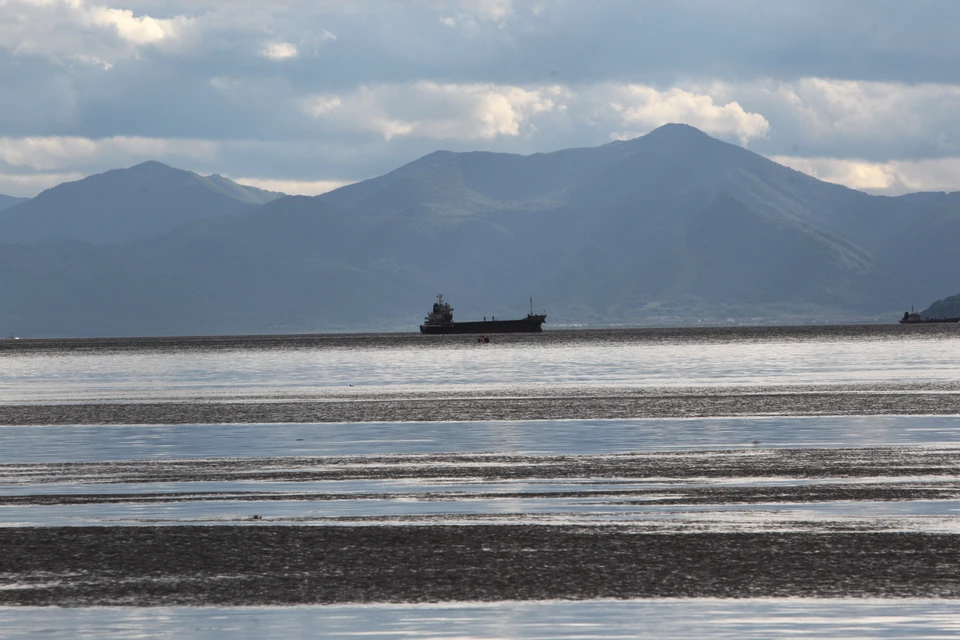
(661, 208)
(146, 200)
(946, 308)
(673, 160)
(674, 226)
(9, 201)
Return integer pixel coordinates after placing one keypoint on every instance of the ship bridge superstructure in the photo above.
(441, 315)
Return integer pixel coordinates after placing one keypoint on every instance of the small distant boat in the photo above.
(13, 337)
(913, 317)
(440, 321)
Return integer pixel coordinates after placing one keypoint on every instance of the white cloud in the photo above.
(76, 31)
(829, 107)
(649, 108)
(856, 174)
(894, 177)
(135, 29)
(293, 187)
(826, 117)
(279, 51)
(431, 110)
(317, 106)
(486, 111)
(29, 185)
(52, 153)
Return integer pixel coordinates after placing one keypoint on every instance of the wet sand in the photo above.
(522, 404)
(726, 464)
(148, 566)
(678, 496)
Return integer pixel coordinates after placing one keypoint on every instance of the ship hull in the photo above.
(930, 321)
(532, 324)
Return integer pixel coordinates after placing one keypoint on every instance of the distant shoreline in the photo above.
(358, 339)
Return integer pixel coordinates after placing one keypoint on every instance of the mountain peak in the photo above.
(149, 172)
(153, 166)
(679, 127)
(678, 131)
(145, 200)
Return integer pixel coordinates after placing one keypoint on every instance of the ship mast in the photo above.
(531, 305)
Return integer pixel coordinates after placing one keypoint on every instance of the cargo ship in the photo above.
(440, 321)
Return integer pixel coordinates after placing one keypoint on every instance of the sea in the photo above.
(802, 433)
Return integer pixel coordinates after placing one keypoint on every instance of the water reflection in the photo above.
(96, 443)
(750, 618)
(82, 374)
(929, 516)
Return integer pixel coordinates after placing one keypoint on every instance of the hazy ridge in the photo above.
(143, 201)
(10, 201)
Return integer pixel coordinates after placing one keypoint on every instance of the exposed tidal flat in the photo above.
(396, 472)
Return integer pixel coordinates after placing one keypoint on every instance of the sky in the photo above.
(302, 96)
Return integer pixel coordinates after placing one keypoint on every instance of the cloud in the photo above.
(29, 185)
(294, 187)
(74, 31)
(53, 153)
(431, 110)
(895, 177)
(824, 117)
(650, 108)
(485, 111)
(135, 29)
(827, 107)
(279, 51)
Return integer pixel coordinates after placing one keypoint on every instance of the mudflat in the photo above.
(555, 403)
(274, 565)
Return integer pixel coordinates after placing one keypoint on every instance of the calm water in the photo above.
(871, 355)
(759, 618)
(870, 359)
(111, 442)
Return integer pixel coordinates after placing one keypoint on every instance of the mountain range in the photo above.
(670, 227)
